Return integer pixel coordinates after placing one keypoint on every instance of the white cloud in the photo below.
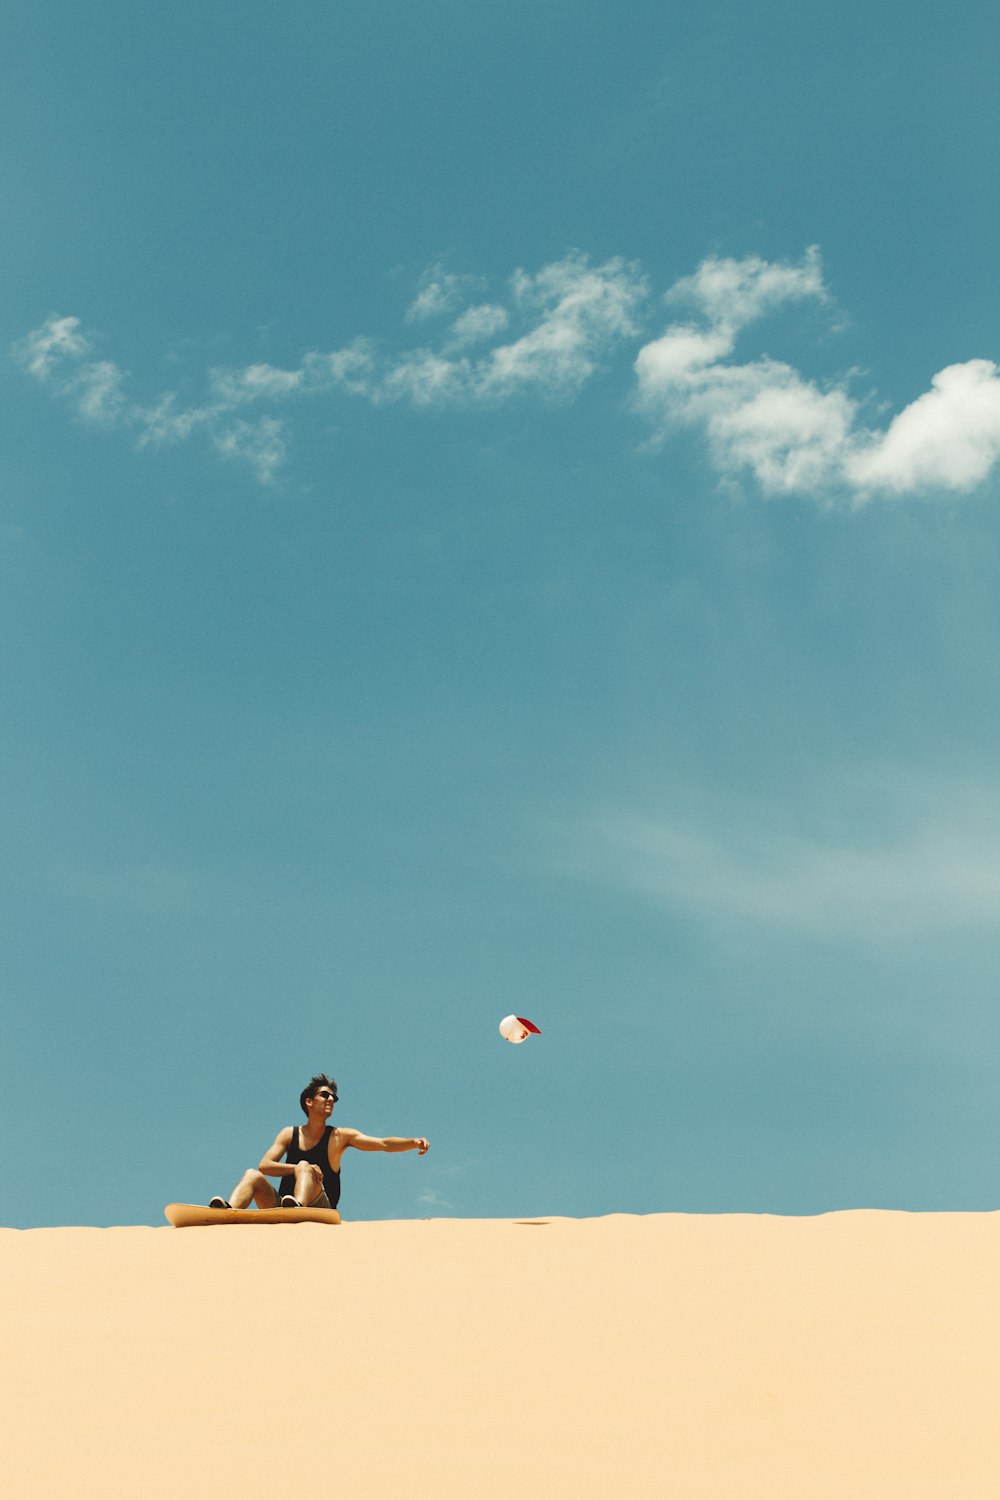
(56, 355)
(575, 313)
(425, 379)
(58, 339)
(164, 422)
(98, 392)
(261, 444)
(933, 875)
(583, 311)
(949, 437)
(760, 418)
(733, 293)
(683, 354)
(254, 383)
(441, 292)
(477, 323)
(764, 417)
(352, 369)
(792, 434)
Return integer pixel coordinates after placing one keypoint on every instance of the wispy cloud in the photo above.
(167, 421)
(568, 315)
(544, 336)
(440, 293)
(733, 293)
(59, 356)
(477, 324)
(794, 435)
(431, 1198)
(259, 444)
(43, 350)
(581, 311)
(937, 871)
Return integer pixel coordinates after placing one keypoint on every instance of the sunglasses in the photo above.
(325, 1094)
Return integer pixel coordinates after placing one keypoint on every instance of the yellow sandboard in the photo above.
(194, 1215)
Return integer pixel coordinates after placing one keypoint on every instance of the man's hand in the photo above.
(422, 1145)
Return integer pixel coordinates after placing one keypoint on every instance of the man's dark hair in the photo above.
(313, 1087)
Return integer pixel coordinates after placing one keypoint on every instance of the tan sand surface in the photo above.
(849, 1355)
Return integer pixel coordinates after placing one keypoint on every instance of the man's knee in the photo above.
(307, 1187)
(254, 1176)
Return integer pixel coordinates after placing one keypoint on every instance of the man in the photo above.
(310, 1172)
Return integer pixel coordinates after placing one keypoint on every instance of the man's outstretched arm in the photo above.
(363, 1142)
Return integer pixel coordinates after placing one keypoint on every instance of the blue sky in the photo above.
(499, 513)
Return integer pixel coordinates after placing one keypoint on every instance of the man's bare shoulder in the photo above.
(361, 1142)
(278, 1146)
(341, 1136)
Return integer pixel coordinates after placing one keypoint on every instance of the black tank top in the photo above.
(320, 1154)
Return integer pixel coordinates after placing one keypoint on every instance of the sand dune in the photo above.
(850, 1355)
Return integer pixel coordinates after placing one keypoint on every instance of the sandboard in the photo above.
(194, 1215)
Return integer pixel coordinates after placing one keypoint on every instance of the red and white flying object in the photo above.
(517, 1029)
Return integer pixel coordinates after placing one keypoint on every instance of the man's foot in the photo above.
(219, 1203)
(288, 1201)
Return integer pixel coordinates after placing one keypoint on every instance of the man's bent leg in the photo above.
(307, 1189)
(253, 1187)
